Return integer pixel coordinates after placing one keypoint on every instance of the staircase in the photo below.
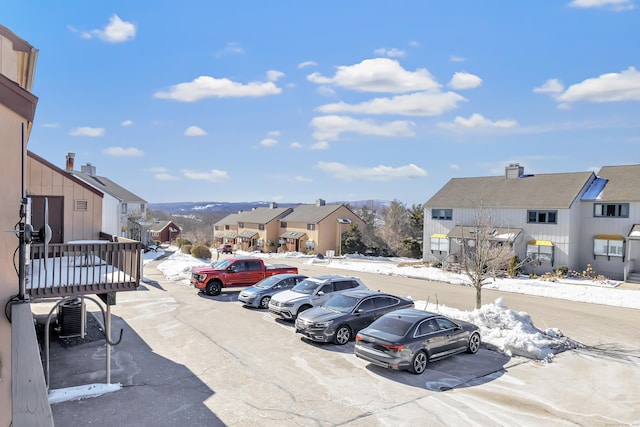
(633, 277)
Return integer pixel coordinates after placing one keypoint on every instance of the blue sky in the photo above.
(291, 101)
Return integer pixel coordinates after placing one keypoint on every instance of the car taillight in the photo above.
(394, 348)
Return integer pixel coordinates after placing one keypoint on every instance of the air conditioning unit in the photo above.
(72, 318)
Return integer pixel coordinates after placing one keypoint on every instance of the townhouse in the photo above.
(570, 219)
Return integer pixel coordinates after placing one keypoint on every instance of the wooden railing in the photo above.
(87, 267)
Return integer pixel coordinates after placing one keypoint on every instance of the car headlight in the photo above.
(322, 324)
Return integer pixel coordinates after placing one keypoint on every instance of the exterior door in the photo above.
(56, 215)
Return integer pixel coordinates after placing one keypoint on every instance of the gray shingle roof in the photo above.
(310, 214)
(262, 215)
(231, 219)
(623, 183)
(544, 191)
(109, 187)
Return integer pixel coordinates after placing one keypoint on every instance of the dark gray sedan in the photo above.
(409, 339)
(342, 316)
(260, 294)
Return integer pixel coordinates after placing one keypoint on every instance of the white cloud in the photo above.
(211, 87)
(477, 121)
(415, 104)
(616, 5)
(194, 131)
(378, 75)
(87, 131)
(274, 75)
(268, 142)
(331, 127)
(414, 43)
(50, 125)
(391, 53)
(307, 64)
(611, 87)
(127, 123)
(213, 175)
(302, 179)
(550, 86)
(274, 133)
(454, 166)
(165, 176)
(296, 144)
(456, 58)
(462, 80)
(320, 145)
(232, 48)
(117, 31)
(123, 152)
(326, 91)
(377, 173)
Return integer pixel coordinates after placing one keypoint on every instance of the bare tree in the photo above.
(484, 250)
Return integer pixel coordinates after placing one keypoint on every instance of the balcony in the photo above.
(83, 267)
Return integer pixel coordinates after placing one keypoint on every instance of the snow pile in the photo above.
(508, 331)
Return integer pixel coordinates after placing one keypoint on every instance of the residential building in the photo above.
(226, 230)
(317, 228)
(258, 228)
(123, 213)
(70, 201)
(164, 231)
(17, 112)
(47, 210)
(570, 219)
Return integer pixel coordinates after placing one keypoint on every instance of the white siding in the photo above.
(611, 267)
(111, 215)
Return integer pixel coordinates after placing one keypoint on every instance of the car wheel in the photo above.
(343, 335)
(474, 343)
(213, 288)
(419, 363)
(264, 302)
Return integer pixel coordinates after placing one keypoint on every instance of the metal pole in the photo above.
(107, 331)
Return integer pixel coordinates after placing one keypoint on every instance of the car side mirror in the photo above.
(360, 311)
(231, 269)
(320, 293)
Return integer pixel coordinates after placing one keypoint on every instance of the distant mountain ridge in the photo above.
(175, 207)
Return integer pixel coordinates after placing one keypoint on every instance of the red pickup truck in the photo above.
(233, 272)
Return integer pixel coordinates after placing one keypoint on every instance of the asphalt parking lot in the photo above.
(193, 360)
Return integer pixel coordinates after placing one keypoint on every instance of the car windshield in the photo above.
(222, 264)
(341, 303)
(268, 282)
(392, 325)
(306, 286)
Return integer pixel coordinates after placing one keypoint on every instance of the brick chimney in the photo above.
(514, 170)
(70, 158)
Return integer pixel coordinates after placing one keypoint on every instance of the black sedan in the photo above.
(344, 315)
(409, 339)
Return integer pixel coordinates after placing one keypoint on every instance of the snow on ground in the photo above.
(501, 328)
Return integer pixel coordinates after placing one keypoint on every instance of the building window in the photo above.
(441, 213)
(82, 205)
(241, 225)
(311, 227)
(123, 208)
(283, 224)
(619, 210)
(226, 227)
(260, 226)
(605, 245)
(540, 250)
(542, 217)
(439, 243)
